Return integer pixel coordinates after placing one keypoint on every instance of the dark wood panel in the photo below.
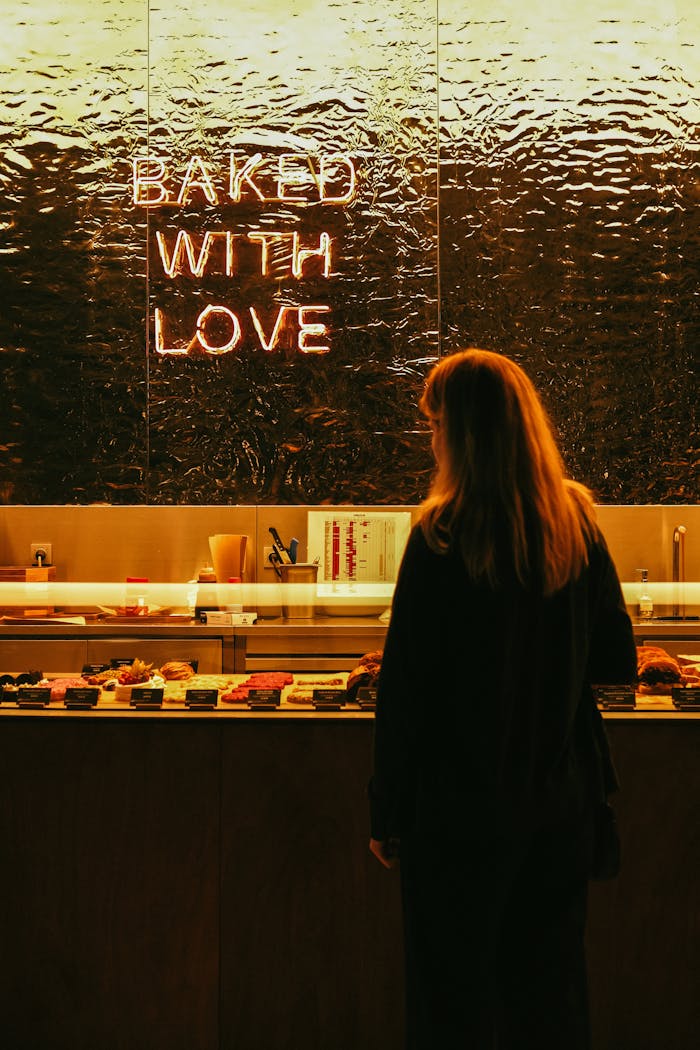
(206, 884)
(311, 931)
(644, 928)
(109, 885)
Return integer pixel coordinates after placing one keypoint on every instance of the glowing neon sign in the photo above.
(295, 178)
(307, 330)
(183, 254)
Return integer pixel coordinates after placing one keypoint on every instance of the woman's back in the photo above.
(497, 677)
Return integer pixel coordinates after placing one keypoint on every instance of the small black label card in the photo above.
(202, 699)
(263, 699)
(78, 697)
(328, 699)
(33, 696)
(367, 697)
(143, 697)
(94, 668)
(615, 697)
(121, 661)
(687, 699)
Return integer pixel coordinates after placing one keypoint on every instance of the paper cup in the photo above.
(228, 555)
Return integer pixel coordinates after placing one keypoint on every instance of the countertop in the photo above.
(651, 708)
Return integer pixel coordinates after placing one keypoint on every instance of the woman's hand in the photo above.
(386, 852)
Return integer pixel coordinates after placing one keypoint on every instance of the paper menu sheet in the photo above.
(357, 547)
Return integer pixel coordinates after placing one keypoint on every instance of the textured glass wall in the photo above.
(569, 234)
(287, 88)
(73, 78)
(565, 233)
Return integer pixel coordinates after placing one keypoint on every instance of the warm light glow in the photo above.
(326, 179)
(218, 311)
(268, 344)
(184, 248)
(144, 180)
(265, 240)
(197, 177)
(308, 329)
(184, 255)
(245, 174)
(296, 178)
(161, 348)
(300, 255)
(168, 595)
(111, 595)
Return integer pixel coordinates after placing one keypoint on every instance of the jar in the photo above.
(206, 592)
(234, 606)
(135, 600)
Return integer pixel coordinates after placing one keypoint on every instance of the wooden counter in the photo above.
(201, 881)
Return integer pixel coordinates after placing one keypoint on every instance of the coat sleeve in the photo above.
(612, 655)
(392, 786)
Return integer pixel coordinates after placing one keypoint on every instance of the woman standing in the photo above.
(490, 753)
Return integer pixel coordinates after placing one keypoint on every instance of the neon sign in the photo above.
(184, 255)
(293, 178)
(230, 332)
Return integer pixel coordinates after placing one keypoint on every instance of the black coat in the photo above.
(484, 707)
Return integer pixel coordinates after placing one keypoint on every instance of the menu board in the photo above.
(357, 547)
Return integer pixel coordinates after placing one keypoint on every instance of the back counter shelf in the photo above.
(324, 644)
(63, 647)
(317, 644)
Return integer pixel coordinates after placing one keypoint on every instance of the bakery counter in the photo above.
(164, 871)
(260, 694)
(273, 693)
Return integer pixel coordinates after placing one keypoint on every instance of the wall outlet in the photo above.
(267, 564)
(45, 550)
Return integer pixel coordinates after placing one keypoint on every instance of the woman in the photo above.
(490, 754)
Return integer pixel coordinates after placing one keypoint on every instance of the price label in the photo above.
(328, 699)
(33, 696)
(203, 699)
(263, 699)
(94, 669)
(142, 696)
(121, 661)
(367, 697)
(615, 697)
(686, 699)
(81, 697)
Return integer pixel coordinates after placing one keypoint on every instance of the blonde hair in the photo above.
(499, 494)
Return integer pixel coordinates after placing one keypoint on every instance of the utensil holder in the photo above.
(299, 590)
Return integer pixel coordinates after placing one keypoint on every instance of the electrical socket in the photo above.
(267, 564)
(47, 548)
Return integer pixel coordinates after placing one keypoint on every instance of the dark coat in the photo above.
(484, 705)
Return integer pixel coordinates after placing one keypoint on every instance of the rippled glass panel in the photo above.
(293, 253)
(569, 235)
(73, 78)
(225, 265)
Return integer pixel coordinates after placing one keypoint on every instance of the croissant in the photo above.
(176, 671)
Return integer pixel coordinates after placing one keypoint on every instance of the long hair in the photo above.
(500, 495)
